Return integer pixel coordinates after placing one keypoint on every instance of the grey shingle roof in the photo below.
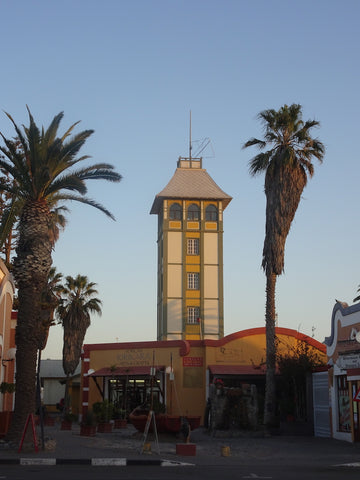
(192, 184)
(50, 368)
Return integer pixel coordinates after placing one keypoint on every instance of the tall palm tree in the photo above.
(287, 164)
(10, 210)
(45, 173)
(78, 302)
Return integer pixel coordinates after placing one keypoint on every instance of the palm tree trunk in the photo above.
(270, 390)
(26, 357)
(31, 269)
(66, 410)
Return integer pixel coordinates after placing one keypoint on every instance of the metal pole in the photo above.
(38, 395)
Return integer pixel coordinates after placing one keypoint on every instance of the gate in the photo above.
(321, 404)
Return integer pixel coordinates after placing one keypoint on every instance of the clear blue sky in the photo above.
(132, 70)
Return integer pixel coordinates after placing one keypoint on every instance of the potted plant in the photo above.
(219, 385)
(6, 415)
(88, 424)
(119, 416)
(104, 412)
(67, 421)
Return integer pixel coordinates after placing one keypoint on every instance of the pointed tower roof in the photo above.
(190, 181)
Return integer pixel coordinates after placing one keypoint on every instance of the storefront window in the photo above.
(343, 404)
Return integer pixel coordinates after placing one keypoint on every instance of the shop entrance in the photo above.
(128, 393)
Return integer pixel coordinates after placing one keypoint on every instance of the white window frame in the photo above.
(193, 315)
(193, 281)
(193, 246)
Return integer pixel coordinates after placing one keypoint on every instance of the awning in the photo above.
(143, 370)
(353, 374)
(237, 370)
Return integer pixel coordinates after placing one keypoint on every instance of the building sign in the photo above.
(348, 361)
(193, 361)
(134, 358)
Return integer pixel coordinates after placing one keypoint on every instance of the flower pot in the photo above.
(49, 421)
(105, 427)
(66, 425)
(120, 423)
(88, 430)
(5, 420)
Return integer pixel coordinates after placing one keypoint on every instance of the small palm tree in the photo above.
(286, 164)
(78, 302)
(50, 300)
(45, 173)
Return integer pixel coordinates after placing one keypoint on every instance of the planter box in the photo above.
(49, 421)
(65, 425)
(5, 420)
(120, 423)
(88, 430)
(105, 427)
(186, 449)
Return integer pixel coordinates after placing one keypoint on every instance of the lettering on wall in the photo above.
(193, 361)
(134, 358)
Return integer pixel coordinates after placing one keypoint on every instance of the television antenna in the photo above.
(200, 146)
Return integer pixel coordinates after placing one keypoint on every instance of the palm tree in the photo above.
(356, 299)
(9, 213)
(286, 164)
(10, 210)
(50, 300)
(78, 302)
(45, 172)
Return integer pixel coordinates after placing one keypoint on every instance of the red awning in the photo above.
(237, 370)
(120, 371)
(353, 374)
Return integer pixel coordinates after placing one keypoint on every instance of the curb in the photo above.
(99, 462)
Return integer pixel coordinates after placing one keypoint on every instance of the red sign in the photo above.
(192, 361)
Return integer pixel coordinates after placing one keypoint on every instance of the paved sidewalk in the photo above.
(124, 447)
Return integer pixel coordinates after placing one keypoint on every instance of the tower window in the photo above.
(193, 212)
(193, 315)
(193, 281)
(175, 211)
(211, 213)
(193, 246)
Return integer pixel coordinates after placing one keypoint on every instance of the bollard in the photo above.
(225, 451)
(147, 448)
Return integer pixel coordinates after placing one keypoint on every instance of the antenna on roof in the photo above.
(190, 139)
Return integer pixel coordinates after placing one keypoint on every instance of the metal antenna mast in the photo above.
(190, 139)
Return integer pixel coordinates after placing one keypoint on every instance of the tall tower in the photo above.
(190, 300)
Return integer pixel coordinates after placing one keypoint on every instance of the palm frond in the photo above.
(9, 218)
(259, 163)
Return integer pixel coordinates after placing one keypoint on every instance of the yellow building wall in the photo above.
(249, 347)
(186, 393)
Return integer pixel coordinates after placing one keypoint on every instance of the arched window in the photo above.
(211, 213)
(175, 212)
(193, 212)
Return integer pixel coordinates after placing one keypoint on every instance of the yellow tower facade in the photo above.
(190, 299)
